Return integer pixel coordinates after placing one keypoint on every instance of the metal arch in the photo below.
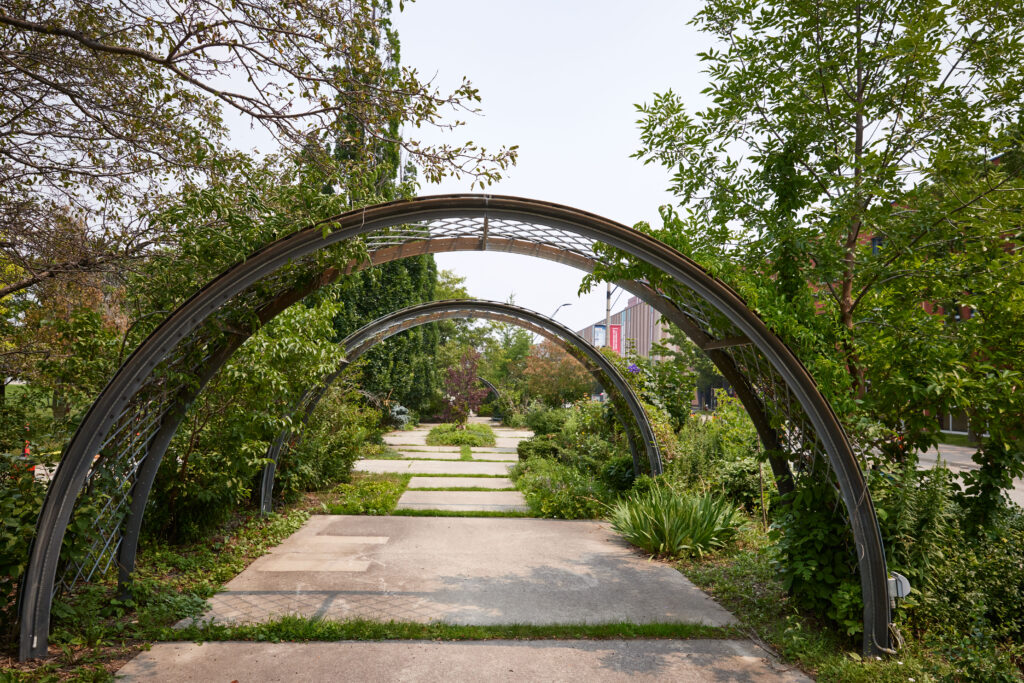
(137, 408)
(490, 385)
(368, 336)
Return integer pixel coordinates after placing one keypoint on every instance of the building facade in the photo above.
(640, 328)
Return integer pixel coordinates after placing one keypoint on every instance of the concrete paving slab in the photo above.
(460, 482)
(503, 457)
(464, 501)
(465, 570)
(506, 442)
(442, 449)
(432, 455)
(453, 467)
(587, 661)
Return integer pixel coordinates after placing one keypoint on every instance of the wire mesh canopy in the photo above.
(387, 326)
(109, 464)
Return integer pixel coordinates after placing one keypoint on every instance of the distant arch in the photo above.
(490, 386)
(371, 334)
(134, 418)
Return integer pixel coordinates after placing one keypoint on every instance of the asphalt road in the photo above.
(958, 459)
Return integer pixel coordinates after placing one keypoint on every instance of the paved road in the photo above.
(959, 459)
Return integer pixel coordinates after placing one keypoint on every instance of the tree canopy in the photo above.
(108, 107)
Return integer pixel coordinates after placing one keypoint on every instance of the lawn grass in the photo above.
(467, 452)
(304, 629)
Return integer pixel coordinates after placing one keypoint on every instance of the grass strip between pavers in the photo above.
(462, 476)
(403, 512)
(461, 459)
(457, 488)
(305, 629)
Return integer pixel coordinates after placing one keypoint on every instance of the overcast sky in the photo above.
(560, 79)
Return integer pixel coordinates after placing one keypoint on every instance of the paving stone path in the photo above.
(418, 458)
(461, 570)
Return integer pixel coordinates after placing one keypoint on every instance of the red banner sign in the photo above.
(615, 339)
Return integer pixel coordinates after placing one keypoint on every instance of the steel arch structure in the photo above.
(132, 421)
(385, 327)
(493, 389)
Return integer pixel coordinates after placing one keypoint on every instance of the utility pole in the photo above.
(608, 317)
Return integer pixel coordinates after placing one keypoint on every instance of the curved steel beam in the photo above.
(776, 375)
(490, 385)
(766, 432)
(368, 336)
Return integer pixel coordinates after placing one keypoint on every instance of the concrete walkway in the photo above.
(587, 661)
(461, 570)
(419, 458)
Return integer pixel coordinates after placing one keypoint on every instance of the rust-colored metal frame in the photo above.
(385, 327)
(134, 418)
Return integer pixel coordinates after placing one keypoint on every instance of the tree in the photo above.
(846, 179)
(554, 376)
(107, 105)
(842, 175)
(463, 391)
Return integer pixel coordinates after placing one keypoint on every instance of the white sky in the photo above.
(559, 79)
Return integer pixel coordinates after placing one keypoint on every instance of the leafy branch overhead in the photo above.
(106, 106)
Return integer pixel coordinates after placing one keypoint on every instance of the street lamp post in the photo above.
(568, 303)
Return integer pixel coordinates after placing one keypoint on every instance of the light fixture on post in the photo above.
(568, 303)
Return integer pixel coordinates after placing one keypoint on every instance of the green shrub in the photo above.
(21, 497)
(543, 446)
(721, 454)
(741, 480)
(553, 489)
(544, 420)
(472, 434)
(664, 522)
(817, 558)
(618, 472)
(336, 436)
(514, 419)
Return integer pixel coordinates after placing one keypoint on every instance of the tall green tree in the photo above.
(847, 177)
(844, 174)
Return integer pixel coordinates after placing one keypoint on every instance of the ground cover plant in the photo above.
(367, 494)
(94, 631)
(453, 434)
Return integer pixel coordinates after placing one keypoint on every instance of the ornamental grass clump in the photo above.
(667, 523)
